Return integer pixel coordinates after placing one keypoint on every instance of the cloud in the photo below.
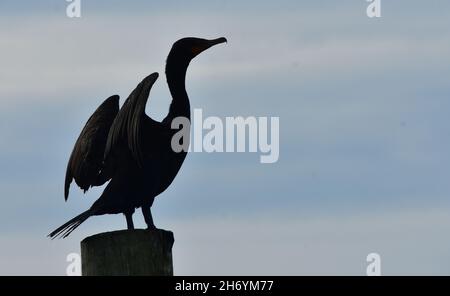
(410, 242)
(362, 107)
(100, 53)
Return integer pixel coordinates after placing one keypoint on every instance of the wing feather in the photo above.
(86, 159)
(129, 122)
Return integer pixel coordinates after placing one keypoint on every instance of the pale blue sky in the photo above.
(363, 106)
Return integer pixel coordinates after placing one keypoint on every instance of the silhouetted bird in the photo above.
(129, 148)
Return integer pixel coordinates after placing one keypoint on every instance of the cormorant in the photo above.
(129, 148)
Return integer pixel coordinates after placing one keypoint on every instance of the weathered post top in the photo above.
(128, 252)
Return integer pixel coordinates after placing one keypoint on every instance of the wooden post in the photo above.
(128, 252)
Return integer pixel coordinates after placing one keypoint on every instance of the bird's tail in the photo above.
(65, 229)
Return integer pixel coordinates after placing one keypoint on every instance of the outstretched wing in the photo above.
(86, 160)
(129, 123)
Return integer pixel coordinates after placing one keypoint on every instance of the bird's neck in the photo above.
(176, 77)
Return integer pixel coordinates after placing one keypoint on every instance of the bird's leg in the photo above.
(129, 217)
(146, 212)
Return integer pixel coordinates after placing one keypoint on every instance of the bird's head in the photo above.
(185, 49)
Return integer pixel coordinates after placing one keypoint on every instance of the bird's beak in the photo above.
(216, 41)
(208, 44)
